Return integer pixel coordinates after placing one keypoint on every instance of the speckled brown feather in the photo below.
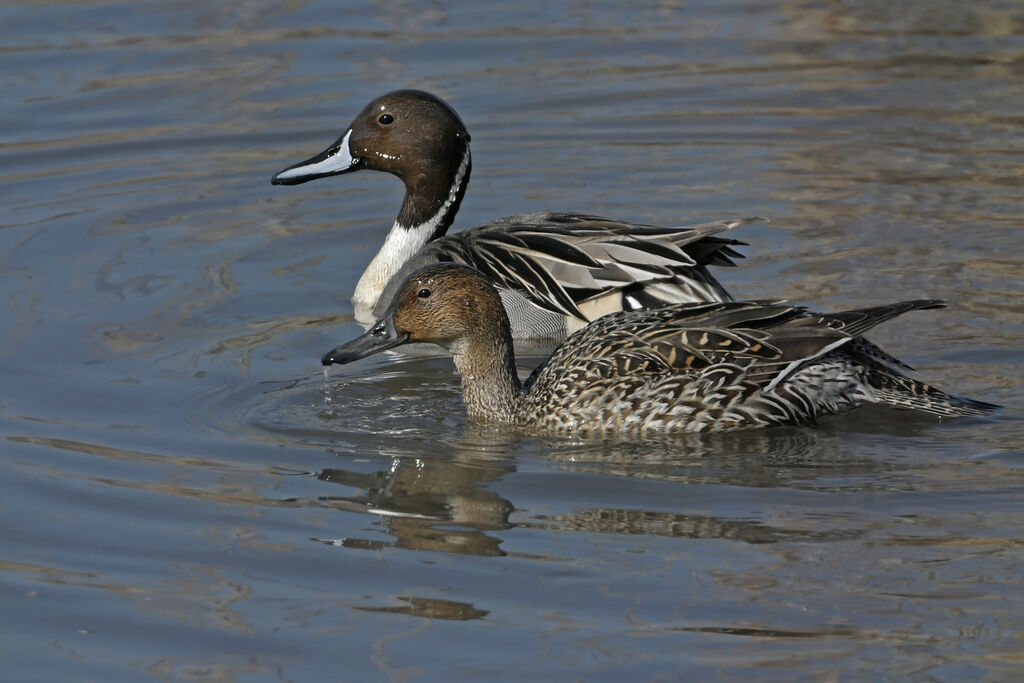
(683, 368)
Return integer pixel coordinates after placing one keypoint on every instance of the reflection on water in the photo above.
(421, 502)
(447, 504)
(431, 609)
(185, 495)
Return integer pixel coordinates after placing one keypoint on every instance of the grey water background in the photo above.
(184, 497)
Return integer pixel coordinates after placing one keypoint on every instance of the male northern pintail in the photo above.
(681, 368)
(555, 271)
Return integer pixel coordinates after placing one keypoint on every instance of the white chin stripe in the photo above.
(340, 160)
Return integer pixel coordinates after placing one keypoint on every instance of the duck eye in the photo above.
(423, 293)
(386, 119)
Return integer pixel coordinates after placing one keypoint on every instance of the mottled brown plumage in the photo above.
(683, 368)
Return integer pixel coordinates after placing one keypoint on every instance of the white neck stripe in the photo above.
(402, 244)
(453, 194)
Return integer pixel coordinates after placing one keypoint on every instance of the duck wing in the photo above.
(561, 261)
(763, 341)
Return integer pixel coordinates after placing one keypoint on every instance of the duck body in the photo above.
(556, 271)
(683, 368)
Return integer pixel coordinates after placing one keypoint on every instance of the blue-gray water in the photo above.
(182, 497)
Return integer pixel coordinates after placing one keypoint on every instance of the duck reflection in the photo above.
(452, 503)
(431, 608)
(429, 504)
(648, 523)
(857, 448)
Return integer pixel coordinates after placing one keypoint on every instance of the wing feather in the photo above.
(559, 259)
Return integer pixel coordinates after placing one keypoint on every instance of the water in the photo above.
(182, 496)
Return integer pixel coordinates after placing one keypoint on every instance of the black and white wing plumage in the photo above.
(562, 261)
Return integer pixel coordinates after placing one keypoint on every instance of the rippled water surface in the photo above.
(183, 496)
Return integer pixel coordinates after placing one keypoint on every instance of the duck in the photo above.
(556, 271)
(692, 367)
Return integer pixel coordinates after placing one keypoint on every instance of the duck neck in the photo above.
(432, 199)
(490, 385)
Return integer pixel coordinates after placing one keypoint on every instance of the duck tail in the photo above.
(912, 394)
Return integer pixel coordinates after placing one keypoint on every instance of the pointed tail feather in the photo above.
(912, 394)
(858, 321)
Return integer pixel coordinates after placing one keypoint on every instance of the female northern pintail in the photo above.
(555, 271)
(681, 368)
